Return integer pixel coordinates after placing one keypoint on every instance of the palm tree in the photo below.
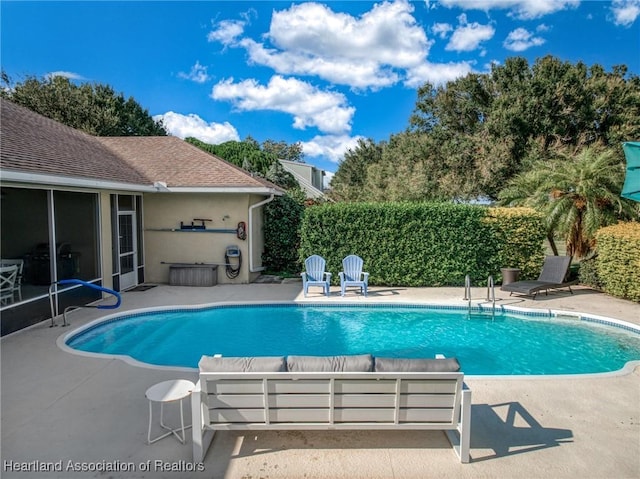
(577, 194)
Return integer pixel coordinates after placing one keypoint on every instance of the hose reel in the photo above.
(232, 261)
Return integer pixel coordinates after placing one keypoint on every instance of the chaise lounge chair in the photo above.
(553, 275)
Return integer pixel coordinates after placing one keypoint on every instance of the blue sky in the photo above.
(321, 73)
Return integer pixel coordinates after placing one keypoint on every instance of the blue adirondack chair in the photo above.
(315, 275)
(353, 275)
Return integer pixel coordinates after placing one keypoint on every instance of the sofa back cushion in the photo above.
(265, 364)
(356, 363)
(386, 365)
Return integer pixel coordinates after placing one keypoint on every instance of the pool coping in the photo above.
(62, 339)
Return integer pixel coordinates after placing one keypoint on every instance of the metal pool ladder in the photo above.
(467, 289)
(491, 293)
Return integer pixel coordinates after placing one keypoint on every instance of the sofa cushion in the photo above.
(416, 365)
(356, 363)
(265, 364)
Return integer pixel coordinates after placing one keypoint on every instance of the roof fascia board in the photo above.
(223, 189)
(54, 180)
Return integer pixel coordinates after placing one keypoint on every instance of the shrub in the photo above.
(420, 244)
(618, 262)
(588, 273)
(519, 235)
(282, 219)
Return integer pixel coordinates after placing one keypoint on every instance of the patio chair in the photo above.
(8, 276)
(353, 275)
(553, 275)
(17, 287)
(315, 274)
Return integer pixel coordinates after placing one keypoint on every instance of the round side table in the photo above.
(165, 392)
(509, 275)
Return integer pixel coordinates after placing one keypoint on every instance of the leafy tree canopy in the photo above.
(578, 194)
(504, 121)
(468, 138)
(93, 108)
(245, 154)
(351, 178)
(248, 155)
(284, 151)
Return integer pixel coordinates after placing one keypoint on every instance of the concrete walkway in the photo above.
(88, 416)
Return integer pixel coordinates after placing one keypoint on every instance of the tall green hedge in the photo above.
(282, 219)
(519, 237)
(423, 244)
(618, 262)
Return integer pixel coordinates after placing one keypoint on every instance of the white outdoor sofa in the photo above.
(337, 392)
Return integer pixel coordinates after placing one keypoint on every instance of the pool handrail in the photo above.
(80, 282)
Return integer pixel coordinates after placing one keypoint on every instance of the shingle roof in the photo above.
(32, 143)
(178, 163)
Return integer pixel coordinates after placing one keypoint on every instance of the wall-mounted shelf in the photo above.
(208, 230)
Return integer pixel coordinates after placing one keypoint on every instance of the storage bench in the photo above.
(193, 275)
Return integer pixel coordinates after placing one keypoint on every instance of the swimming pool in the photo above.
(504, 343)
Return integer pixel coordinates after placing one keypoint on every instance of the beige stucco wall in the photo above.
(167, 210)
(105, 240)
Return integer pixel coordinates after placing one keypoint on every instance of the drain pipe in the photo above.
(252, 268)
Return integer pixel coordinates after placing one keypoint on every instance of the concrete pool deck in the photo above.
(72, 412)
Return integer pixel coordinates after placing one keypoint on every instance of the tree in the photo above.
(247, 155)
(496, 124)
(349, 181)
(578, 194)
(284, 151)
(93, 108)
(404, 171)
(278, 175)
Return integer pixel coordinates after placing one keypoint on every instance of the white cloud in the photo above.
(369, 51)
(468, 36)
(360, 74)
(328, 176)
(437, 73)
(69, 75)
(332, 147)
(227, 32)
(441, 29)
(388, 34)
(310, 106)
(184, 126)
(197, 74)
(523, 9)
(625, 12)
(520, 40)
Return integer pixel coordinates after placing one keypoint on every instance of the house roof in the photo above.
(33, 144)
(310, 190)
(177, 163)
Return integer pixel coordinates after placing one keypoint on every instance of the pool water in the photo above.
(504, 344)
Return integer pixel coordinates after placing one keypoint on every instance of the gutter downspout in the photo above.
(252, 268)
